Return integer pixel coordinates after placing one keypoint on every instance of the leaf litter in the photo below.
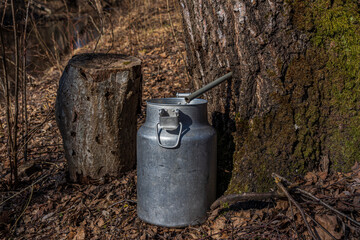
(57, 209)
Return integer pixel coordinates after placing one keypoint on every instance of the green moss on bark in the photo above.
(319, 113)
(337, 31)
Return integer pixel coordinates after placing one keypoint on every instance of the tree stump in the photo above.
(96, 106)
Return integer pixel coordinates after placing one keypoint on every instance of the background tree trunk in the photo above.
(294, 99)
(97, 103)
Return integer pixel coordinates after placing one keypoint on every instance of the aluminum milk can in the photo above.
(176, 163)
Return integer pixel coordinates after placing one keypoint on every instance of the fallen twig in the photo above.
(13, 228)
(346, 177)
(293, 218)
(301, 191)
(282, 188)
(31, 185)
(176, 41)
(34, 130)
(327, 205)
(317, 223)
(125, 200)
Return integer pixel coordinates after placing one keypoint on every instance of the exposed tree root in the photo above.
(233, 198)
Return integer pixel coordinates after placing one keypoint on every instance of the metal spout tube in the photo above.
(182, 95)
(207, 87)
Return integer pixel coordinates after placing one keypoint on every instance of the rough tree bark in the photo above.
(96, 106)
(294, 99)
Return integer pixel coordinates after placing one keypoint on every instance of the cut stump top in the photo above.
(103, 61)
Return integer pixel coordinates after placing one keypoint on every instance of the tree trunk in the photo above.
(96, 106)
(293, 102)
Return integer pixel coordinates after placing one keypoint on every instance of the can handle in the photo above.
(158, 137)
(168, 122)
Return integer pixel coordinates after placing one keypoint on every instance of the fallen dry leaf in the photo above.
(71, 235)
(329, 222)
(258, 215)
(281, 204)
(239, 222)
(323, 175)
(356, 166)
(310, 178)
(218, 225)
(100, 222)
(214, 214)
(80, 233)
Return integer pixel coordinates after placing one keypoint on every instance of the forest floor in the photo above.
(46, 206)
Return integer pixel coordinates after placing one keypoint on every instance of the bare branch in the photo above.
(282, 188)
(16, 113)
(7, 97)
(327, 205)
(299, 190)
(24, 81)
(24, 189)
(321, 226)
(176, 41)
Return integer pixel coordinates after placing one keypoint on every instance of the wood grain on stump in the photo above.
(96, 106)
